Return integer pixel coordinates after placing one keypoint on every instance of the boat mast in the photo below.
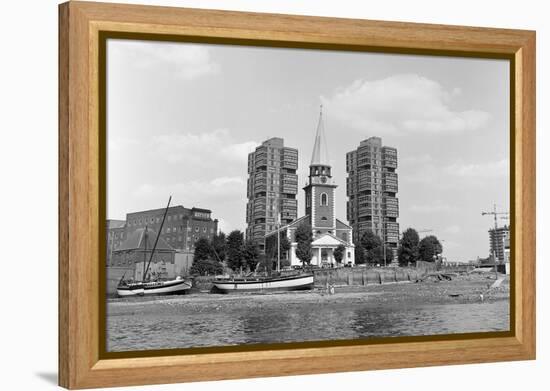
(278, 243)
(144, 254)
(158, 236)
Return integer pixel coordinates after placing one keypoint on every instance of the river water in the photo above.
(177, 327)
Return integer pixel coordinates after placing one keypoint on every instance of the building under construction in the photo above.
(497, 239)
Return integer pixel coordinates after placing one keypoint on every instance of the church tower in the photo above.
(320, 187)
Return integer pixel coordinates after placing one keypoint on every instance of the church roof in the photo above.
(320, 149)
(329, 240)
(340, 225)
(293, 224)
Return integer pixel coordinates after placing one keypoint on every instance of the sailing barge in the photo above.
(277, 282)
(177, 286)
(281, 283)
(156, 287)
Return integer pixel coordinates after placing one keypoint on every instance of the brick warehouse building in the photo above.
(136, 250)
(372, 187)
(182, 228)
(115, 235)
(271, 188)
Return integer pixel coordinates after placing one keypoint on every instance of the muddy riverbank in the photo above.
(464, 304)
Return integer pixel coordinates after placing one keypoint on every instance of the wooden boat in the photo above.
(148, 287)
(278, 282)
(247, 284)
(170, 287)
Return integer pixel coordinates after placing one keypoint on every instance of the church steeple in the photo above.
(319, 156)
(320, 187)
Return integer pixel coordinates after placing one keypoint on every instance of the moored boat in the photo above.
(153, 287)
(247, 284)
(170, 287)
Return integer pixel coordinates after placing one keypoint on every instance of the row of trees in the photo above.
(412, 249)
(369, 249)
(240, 254)
(233, 250)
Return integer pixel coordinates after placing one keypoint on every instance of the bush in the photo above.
(204, 267)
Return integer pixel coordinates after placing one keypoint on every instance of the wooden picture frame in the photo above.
(82, 363)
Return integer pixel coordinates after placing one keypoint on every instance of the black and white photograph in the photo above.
(262, 195)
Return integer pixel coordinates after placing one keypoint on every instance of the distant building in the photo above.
(372, 187)
(182, 227)
(271, 189)
(328, 231)
(135, 252)
(507, 253)
(115, 235)
(497, 243)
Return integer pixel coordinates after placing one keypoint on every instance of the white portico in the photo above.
(323, 250)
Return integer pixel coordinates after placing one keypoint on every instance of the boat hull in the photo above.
(291, 283)
(173, 287)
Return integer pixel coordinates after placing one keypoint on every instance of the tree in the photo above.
(202, 250)
(285, 245)
(264, 264)
(205, 267)
(251, 254)
(374, 256)
(271, 247)
(304, 237)
(428, 248)
(359, 254)
(369, 240)
(407, 253)
(372, 244)
(219, 247)
(235, 242)
(339, 253)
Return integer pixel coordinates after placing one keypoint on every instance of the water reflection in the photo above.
(174, 327)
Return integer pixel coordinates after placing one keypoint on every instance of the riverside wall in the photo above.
(356, 276)
(343, 276)
(365, 276)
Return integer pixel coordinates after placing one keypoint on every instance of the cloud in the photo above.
(119, 144)
(186, 61)
(497, 169)
(435, 207)
(227, 181)
(453, 229)
(223, 195)
(197, 148)
(429, 173)
(416, 159)
(196, 190)
(401, 103)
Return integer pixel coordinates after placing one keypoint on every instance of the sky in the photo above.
(182, 118)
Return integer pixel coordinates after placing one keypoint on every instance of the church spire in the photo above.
(320, 150)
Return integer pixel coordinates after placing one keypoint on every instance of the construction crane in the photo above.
(496, 215)
(503, 215)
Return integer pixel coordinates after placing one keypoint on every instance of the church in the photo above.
(328, 231)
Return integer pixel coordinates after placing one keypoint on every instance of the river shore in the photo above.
(466, 288)
(463, 305)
